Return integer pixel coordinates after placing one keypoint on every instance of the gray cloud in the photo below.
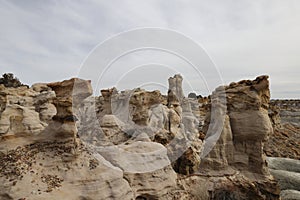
(43, 41)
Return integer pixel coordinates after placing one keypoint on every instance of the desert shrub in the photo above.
(8, 80)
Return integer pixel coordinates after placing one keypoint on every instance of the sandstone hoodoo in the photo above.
(60, 142)
(69, 95)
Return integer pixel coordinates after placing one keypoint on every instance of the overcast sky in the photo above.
(45, 41)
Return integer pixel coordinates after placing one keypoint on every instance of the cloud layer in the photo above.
(43, 41)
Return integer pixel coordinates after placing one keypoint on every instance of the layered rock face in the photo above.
(135, 144)
(285, 140)
(243, 107)
(69, 95)
(248, 104)
(289, 111)
(239, 114)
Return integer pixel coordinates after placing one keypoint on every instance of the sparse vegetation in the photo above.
(8, 80)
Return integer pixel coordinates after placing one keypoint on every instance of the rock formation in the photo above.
(175, 87)
(284, 142)
(289, 111)
(25, 111)
(285, 139)
(248, 112)
(135, 144)
(105, 102)
(69, 95)
(243, 110)
(246, 125)
(53, 166)
(145, 164)
(141, 102)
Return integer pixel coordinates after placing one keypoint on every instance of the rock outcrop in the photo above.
(53, 166)
(25, 111)
(247, 104)
(145, 164)
(111, 127)
(141, 101)
(285, 139)
(183, 125)
(104, 107)
(135, 144)
(175, 87)
(50, 170)
(242, 109)
(289, 111)
(69, 95)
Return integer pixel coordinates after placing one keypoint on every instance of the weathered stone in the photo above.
(175, 86)
(40, 87)
(19, 114)
(49, 170)
(287, 172)
(120, 159)
(144, 165)
(221, 155)
(284, 142)
(188, 162)
(229, 186)
(247, 104)
(106, 102)
(141, 102)
(287, 180)
(290, 195)
(285, 164)
(289, 111)
(112, 129)
(69, 96)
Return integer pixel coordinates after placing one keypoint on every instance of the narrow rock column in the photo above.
(245, 129)
(247, 104)
(69, 95)
(175, 86)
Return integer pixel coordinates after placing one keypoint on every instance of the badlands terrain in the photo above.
(58, 141)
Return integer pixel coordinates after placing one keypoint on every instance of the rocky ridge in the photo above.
(285, 141)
